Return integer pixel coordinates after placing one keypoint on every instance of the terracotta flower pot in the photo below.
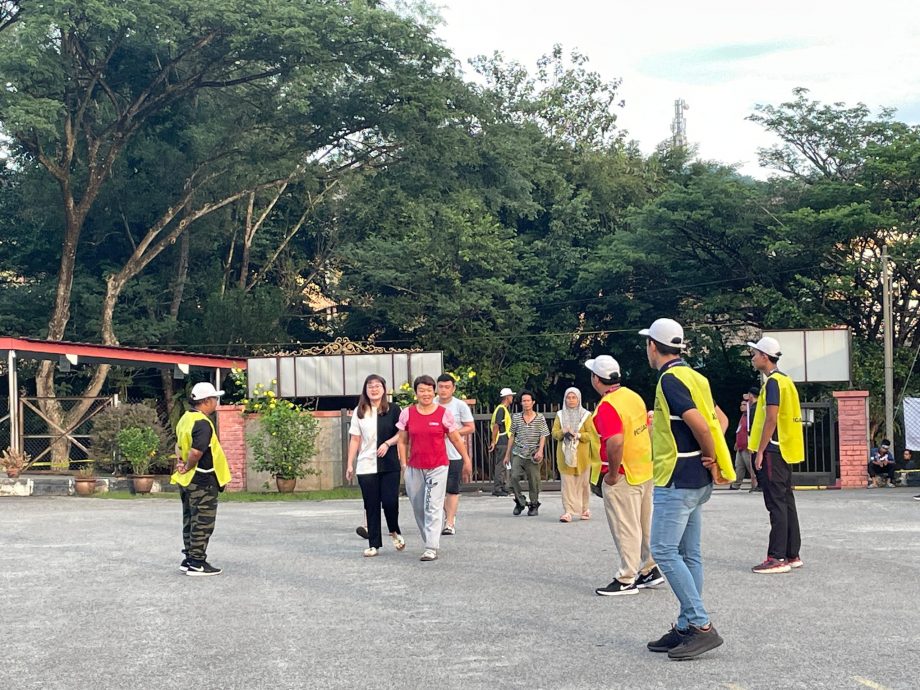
(85, 486)
(12, 474)
(285, 486)
(143, 483)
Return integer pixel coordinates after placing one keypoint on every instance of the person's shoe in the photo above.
(917, 497)
(616, 588)
(565, 517)
(201, 569)
(652, 578)
(183, 566)
(370, 552)
(533, 509)
(772, 565)
(519, 508)
(398, 542)
(448, 530)
(500, 492)
(429, 555)
(732, 487)
(795, 562)
(361, 531)
(668, 641)
(585, 515)
(695, 643)
(757, 490)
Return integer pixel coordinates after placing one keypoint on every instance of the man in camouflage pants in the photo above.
(202, 473)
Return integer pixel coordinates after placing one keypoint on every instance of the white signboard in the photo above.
(814, 356)
(314, 376)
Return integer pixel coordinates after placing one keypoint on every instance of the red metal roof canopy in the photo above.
(86, 353)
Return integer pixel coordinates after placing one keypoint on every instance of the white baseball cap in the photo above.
(604, 366)
(767, 345)
(667, 332)
(203, 390)
(505, 392)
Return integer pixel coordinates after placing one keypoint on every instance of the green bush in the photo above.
(285, 442)
(139, 445)
(107, 424)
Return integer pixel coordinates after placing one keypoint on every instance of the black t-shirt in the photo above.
(201, 441)
(689, 472)
(772, 396)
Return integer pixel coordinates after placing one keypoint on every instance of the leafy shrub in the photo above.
(285, 441)
(139, 446)
(109, 422)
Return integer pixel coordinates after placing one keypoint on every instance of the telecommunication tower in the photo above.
(679, 124)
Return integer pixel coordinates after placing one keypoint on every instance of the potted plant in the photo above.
(284, 442)
(139, 446)
(14, 462)
(85, 481)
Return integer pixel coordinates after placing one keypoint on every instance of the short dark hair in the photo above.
(754, 390)
(665, 349)
(445, 378)
(773, 359)
(525, 392)
(885, 442)
(198, 403)
(612, 381)
(423, 380)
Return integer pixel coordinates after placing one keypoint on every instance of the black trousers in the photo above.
(779, 499)
(879, 471)
(380, 489)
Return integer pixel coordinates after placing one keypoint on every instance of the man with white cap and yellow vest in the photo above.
(776, 436)
(688, 452)
(500, 428)
(621, 422)
(201, 473)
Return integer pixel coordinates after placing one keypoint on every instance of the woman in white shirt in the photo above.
(373, 435)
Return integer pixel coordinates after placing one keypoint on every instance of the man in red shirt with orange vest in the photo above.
(621, 421)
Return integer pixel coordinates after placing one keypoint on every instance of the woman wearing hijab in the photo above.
(574, 448)
(373, 437)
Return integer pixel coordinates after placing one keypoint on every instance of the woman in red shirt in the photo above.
(423, 428)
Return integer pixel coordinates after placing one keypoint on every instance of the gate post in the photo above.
(853, 439)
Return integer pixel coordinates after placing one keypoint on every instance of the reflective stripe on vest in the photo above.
(184, 442)
(637, 444)
(664, 446)
(788, 420)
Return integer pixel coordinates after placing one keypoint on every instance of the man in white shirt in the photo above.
(464, 417)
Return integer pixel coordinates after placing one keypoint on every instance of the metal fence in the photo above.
(820, 429)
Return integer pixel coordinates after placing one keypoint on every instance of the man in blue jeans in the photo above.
(688, 451)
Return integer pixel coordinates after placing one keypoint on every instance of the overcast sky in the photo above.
(721, 57)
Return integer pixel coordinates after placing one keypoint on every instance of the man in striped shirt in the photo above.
(525, 450)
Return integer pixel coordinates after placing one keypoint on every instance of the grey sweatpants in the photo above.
(426, 489)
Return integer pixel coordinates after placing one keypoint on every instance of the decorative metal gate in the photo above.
(39, 434)
(819, 425)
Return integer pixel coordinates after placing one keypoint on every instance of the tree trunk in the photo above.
(178, 288)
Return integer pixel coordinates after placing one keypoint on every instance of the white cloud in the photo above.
(842, 52)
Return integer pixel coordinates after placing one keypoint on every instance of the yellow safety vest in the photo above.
(664, 446)
(788, 421)
(637, 444)
(507, 430)
(184, 439)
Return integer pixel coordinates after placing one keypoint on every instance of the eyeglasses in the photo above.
(374, 385)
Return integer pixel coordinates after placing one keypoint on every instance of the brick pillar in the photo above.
(853, 437)
(231, 432)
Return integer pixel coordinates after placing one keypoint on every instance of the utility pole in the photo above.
(889, 346)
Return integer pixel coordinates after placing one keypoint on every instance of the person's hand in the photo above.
(181, 467)
(467, 473)
(758, 462)
(538, 456)
(491, 447)
(611, 478)
(383, 450)
(349, 473)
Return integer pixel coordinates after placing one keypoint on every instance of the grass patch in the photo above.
(245, 496)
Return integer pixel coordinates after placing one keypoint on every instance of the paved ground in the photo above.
(91, 598)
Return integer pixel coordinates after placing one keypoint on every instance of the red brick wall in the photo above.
(231, 432)
(853, 437)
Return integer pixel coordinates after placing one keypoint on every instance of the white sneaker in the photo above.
(398, 542)
(429, 555)
(448, 530)
(370, 552)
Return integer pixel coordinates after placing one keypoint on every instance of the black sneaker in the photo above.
(669, 640)
(651, 579)
(202, 569)
(616, 588)
(361, 531)
(519, 508)
(183, 566)
(917, 497)
(533, 509)
(695, 643)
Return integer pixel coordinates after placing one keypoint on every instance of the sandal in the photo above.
(429, 555)
(567, 517)
(370, 552)
(398, 541)
(586, 515)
